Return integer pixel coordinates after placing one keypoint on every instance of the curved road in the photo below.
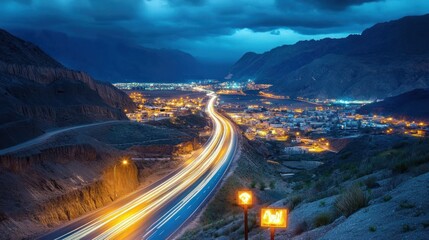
(46, 136)
(158, 211)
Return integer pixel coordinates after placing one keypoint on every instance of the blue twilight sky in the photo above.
(220, 30)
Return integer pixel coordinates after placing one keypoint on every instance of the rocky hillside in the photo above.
(411, 105)
(348, 196)
(115, 61)
(70, 174)
(56, 181)
(385, 60)
(37, 93)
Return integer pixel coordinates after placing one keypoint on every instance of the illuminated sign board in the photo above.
(244, 198)
(274, 217)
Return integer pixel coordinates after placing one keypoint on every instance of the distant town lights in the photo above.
(346, 102)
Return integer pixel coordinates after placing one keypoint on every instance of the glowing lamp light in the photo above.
(245, 198)
(124, 162)
(274, 217)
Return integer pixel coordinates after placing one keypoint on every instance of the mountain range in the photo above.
(38, 93)
(385, 60)
(412, 105)
(113, 60)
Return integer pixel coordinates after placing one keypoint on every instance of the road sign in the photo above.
(244, 198)
(274, 217)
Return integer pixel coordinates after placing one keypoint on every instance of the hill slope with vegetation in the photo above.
(372, 179)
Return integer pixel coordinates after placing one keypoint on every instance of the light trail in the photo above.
(160, 206)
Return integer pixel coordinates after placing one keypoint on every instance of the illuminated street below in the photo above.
(158, 211)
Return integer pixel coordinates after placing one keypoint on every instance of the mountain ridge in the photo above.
(347, 67)
(38, 93)
(113, 60)
(411, 105)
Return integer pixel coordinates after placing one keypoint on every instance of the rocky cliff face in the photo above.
(61, 154)
(385, 60)
(77, 202)
(165, 150)
(72, 173)
(46, 188)
(36, 89)
(48, 75)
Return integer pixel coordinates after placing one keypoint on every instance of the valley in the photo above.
(214, 120)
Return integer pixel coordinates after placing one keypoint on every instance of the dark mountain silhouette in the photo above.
(115, 61)
(37, 93)
(385, 60)
(411, 105)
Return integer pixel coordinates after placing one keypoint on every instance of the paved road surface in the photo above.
(158, 211)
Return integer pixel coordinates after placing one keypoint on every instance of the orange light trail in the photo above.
(210, 160)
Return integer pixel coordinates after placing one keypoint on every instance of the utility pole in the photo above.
(246, 226)
(124, 163)
(245, 199)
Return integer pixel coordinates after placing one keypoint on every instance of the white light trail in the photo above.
(215, 154)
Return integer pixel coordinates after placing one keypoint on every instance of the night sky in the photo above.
(220, 30)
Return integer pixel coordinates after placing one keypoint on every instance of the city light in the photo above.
(346, 102)
(156, 108)
(124, 162)
(214, 156)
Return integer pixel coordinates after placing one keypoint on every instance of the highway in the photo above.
(158, 211)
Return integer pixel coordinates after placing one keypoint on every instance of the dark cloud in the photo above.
(337, 4)
(275, 32)
(112, 10)
(206, 27)
(26, 2)
(186, 2)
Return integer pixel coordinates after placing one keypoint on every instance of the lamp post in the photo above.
(274, 218)
(245, 199)
(124, 162)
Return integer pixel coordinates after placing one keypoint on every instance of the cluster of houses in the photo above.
(315, 123)
(158, 108)
(272, 124)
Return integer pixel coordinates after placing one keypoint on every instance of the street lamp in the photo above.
(274, 218)
(124, 162)
(245, 199)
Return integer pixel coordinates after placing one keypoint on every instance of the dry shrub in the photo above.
(351, 201)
